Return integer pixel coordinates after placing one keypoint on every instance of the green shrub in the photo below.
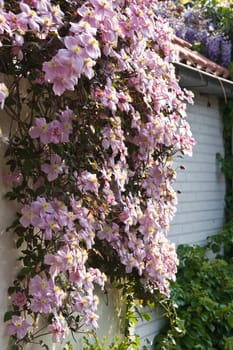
(202, 299)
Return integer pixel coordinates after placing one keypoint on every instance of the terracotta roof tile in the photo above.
(195, 59)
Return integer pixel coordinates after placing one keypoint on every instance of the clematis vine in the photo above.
(89, 156)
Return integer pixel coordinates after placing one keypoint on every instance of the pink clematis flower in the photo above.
(61, 83)
(30, 17)
(54, 168)
(50, 225)
(55, 132)
(58, 329)
(74, 53)
(45, 294)
(12, 178)
(103, 9)
(18, 326)
(4, 25)
(41, 304)
(40, 286)
(42, 207)
(66, 124)
(40, 130)
(16, 22)
(60, 72)
(82, 26)
(108, 97)
(88, 65)
(88, 15)
(91, 45)
(17, 45)
(88, 182)
(92, 319)
(29, 216)
(82, 303)
(31, 3)
(19, 299)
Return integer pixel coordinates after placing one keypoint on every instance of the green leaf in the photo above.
(40, 191)
(23, 272)
(15, 347)
(204, 317)
(8, 315)
(69, 346)
(19, 242)
(230, 320)
(211, 327)
(147, 316)
(11, 290)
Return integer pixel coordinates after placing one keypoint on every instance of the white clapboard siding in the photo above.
(152, 327)
(200, 210)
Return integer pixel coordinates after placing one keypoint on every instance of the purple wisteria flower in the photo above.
(226, 52)
(191, 35)
(213, 46)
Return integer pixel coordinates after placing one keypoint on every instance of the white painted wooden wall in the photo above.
(200, 211)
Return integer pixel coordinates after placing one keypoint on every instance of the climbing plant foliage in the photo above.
(97, 116)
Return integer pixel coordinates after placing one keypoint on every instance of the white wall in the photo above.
(147, 329)
(200, 211)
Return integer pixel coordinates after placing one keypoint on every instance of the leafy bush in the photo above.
(202, 298)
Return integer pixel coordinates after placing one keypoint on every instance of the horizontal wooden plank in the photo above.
(195, 229)
(194, 206)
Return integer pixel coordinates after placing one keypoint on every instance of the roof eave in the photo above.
(196, 79)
